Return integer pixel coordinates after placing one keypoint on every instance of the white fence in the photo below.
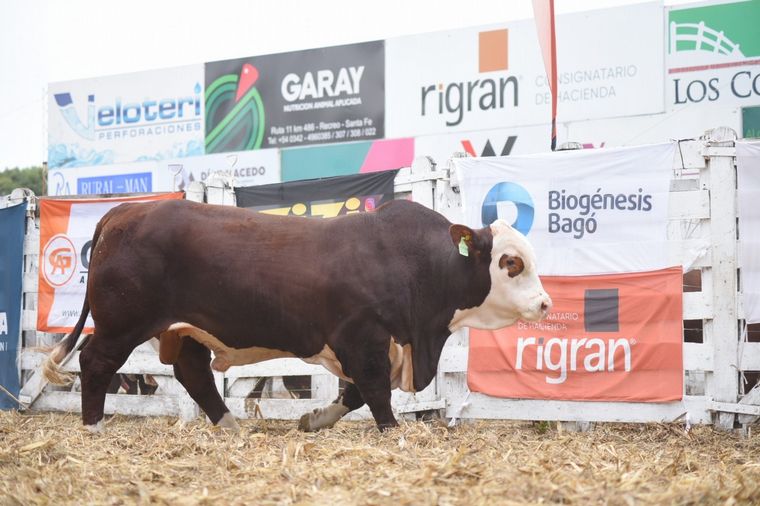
(702, 235)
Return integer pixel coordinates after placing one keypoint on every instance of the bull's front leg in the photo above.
(370, 369)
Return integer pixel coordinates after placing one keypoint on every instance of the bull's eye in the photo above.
(513, 264)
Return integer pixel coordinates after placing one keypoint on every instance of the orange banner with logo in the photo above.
(608, 338)
(66, 228)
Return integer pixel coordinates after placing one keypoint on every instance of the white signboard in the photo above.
(584, 211)
(152, 115)
(748, 183)
(714, 55)
(492, 77)
(247, 168)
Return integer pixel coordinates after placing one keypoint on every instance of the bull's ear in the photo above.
(463, 238)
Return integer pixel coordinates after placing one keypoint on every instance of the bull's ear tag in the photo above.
(463, 249)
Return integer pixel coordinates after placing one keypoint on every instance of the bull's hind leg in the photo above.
(193, 370)
(325, 417)
(99, 360)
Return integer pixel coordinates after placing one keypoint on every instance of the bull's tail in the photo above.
(60, 354)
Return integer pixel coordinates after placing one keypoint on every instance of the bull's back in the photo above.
(249, 278)
(238, 274)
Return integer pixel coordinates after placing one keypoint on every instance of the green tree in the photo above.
(29, 177)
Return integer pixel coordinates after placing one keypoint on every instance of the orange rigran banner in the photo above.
(608, 338)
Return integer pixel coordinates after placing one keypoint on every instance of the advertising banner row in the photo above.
(643, 74)
(266, 166)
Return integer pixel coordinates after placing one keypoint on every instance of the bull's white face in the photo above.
(516, 291)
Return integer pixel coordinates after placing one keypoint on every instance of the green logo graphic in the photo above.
(242, 128)
(724, 29)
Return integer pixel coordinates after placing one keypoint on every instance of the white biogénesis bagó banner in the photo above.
(584, 211)
(493, 76)
(153, 115)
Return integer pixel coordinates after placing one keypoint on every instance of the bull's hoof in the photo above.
(387, 425)
(304, 423)
(228, 422)
(97, 428)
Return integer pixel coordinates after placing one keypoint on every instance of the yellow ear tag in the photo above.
(463, 249)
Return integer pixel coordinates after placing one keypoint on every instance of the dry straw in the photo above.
(49, 459)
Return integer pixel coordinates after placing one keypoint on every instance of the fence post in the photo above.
(219, 190)
(724, 384)
(422, 190)
(196, 192)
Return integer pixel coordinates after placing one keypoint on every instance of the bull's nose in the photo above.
(546, 305)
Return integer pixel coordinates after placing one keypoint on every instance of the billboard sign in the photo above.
(324, 95)
(492, 77)
(714, 55)
(150, 115)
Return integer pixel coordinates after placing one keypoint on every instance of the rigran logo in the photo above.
(235, 118)
(453, 100)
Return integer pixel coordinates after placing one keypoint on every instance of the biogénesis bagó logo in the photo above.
(235, 118)
(125, 118)
(570, 213)
(452, 100)
(505, 200)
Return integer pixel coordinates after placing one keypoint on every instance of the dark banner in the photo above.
(11, 268)
(333, 196)
(332, 94)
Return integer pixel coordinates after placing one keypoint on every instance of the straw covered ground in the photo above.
(49, 459)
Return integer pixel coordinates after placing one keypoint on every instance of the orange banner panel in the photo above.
(608, 338)
(66, 229)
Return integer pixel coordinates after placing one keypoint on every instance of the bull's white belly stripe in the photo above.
(224, 356)
(402, 372)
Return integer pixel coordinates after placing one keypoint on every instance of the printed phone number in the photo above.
(323, 131)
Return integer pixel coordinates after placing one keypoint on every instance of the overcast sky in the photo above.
(45, 41)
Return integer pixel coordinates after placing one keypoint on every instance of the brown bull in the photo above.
(373, 297)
